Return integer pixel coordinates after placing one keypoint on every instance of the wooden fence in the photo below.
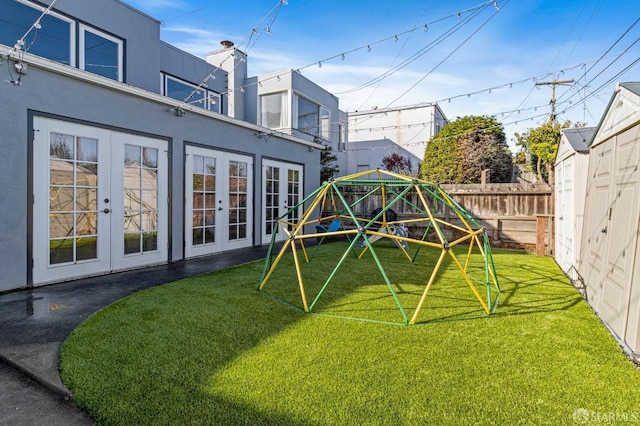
(514, 215)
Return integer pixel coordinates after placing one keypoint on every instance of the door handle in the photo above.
(219, 208)
(106, 211)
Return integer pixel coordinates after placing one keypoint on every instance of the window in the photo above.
(183, 91)
(312, 118)
(342, 138)
(325, 123)
(53, 40)
(274, 111)
(308, 116)
(100, 53)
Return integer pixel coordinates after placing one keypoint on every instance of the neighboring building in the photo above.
(571, 164)
(378, 133)
(610, 247)
(104, 167)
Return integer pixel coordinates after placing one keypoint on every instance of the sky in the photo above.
(472, 57)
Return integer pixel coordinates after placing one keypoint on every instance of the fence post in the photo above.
(541, 231)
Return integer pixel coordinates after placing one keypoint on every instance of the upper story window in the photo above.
(325, 123)
(100, 53)
(308, 116)
(342, 138)
(274, 111)
(191, 94)
(55, 39)
(312, 118)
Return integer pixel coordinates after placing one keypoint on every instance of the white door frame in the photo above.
(100, 217)
(229, 204)
(276, 196)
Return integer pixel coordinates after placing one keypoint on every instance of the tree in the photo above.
(466, 147)
(329, 169)
(397, 163)
(540, 146)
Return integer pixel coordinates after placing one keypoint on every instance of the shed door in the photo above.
(594, 234)
(622, 232)
(565, 216)
(100, 201)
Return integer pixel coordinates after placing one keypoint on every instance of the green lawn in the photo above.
(214, 350)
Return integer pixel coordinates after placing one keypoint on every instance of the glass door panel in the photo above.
(282, 189)
(218, 201)
(97, 201)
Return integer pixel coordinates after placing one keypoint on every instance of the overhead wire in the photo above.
(395, 59)
(415, 56)
(272, 14)
(450, 54)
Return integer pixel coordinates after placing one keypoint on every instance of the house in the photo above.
(116, 155)
(610, 245)
(570, 171)
(378, 133)
(292, 104)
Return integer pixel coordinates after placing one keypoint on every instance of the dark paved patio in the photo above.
(35, 322)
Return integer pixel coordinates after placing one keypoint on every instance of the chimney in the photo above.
(234, 62)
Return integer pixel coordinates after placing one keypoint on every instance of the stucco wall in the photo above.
(47, 93)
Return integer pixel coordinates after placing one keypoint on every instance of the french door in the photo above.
(100, 201)
(218, 201)
(282, 185)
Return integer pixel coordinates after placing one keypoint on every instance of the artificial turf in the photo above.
(213, 350)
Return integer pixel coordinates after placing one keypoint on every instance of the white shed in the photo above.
(610, 250)
(572, 161)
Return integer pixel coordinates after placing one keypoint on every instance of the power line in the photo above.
(553, 84)
(450, 54)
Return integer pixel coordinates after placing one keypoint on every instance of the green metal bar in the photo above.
(269, 259)
(333, 274)
(358, 319)
(277, 299)
(386, 280)
(424, 237)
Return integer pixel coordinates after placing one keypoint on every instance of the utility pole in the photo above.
(553, 85)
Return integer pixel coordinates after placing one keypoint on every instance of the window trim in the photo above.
(294, 117)
(324, 127)
(208, 94)
(82, 29)
(72, 30)
(285, 116)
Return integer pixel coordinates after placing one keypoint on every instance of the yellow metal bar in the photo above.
(304, 250)
(275, 263)
(426, 290)
(468, 280)
(430, 214)
(451, 225)
(299, 274)
(469, 253)
(326, 234)
(450, 200)
(465, 238)
(312, 207)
